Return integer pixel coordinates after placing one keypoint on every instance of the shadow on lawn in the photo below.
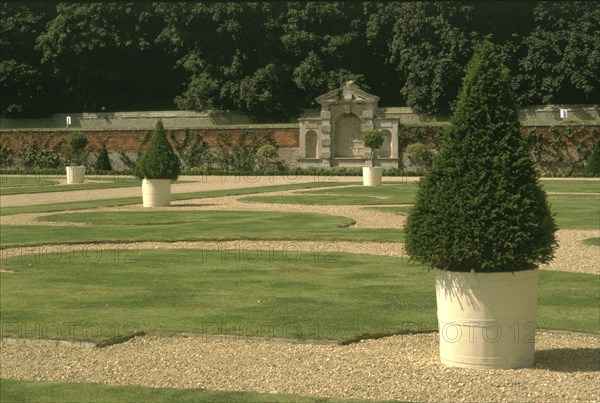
(568, 359)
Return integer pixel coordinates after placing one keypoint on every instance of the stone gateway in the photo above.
(334, 137)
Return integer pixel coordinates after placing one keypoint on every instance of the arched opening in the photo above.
(310, 147)
(347, 129)
(386, 149)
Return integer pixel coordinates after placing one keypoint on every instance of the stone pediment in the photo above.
(350, 92)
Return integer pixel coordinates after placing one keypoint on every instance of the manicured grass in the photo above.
(569, 301)
(105, 184)
(23, 181)
(592, 241)
(191, 225)
(277, 293)
(402, 193)
(44, 208)
(50, 392)
(575, 186)
(576, 211)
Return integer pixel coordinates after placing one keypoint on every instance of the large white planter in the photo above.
(372, 176)
(156, 192)
(487, 320)
(75, 174)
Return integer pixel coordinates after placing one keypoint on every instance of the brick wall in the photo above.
(130, 140)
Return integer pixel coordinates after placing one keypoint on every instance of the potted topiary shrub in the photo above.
(76, 157)
(481, 219)
(372, 174)
(157, 167)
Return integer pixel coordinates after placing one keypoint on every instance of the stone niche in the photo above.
(334, 137)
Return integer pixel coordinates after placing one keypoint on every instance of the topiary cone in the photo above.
(480, 207)
(159, 160)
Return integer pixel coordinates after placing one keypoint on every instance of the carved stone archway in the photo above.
(346, 137)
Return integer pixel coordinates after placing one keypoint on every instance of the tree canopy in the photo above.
(271, 59)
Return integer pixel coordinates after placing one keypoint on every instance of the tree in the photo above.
(562, 55)
(21, 74)
(325, 42)
(481, 207)
(231, 54)
(102, 56)
(159, 161)
(430, 46)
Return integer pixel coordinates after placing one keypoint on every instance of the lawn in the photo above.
(312, 295)
(191, 225)
(31, 186)
(273, 293)
(51, 392)
(575, 186)
(23, 181)
(401, 193)
(576, 211)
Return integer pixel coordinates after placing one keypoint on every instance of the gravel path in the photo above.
(401, 367)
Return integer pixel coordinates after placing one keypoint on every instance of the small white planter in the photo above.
(487, 320)
(75, 174)
(372, 176)
(156, 192)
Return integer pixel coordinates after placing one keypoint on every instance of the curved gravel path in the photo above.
(400, 367)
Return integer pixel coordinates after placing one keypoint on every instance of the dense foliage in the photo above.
(103, 160)
(159, 161)
(271, 59)
(76, 154)
(374, 140)
(419, 155)
(481, 207)
(593, 163)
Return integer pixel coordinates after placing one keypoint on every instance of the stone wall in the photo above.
(127, 131)
(536, 114)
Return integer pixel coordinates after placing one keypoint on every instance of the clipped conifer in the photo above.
(159, 161)
(103, 161)
(481, 207)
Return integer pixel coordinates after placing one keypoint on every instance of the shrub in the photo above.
(159, 160)
(5, 156)
(77, 144)
(103, 161)
(374, 140)
(481, 206)
(266, 156)
(419, 155)
(593, 162)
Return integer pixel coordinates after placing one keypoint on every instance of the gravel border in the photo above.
(400, 367)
